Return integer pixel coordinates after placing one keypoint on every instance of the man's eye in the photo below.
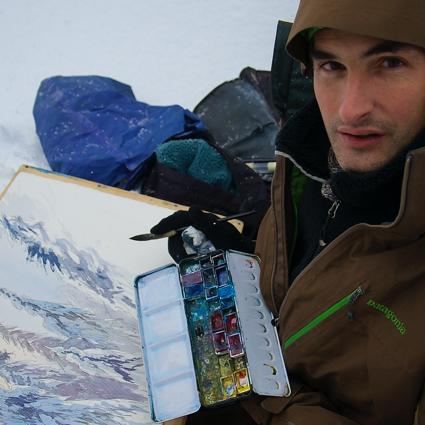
(392, 62)
(331, 66)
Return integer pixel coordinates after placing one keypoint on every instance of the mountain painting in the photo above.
(69, 340)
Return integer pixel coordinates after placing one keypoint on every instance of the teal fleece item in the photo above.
(196, 158)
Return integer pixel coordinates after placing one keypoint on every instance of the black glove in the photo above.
(223, 235)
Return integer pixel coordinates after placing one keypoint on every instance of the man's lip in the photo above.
(360, 132)
(361, 138)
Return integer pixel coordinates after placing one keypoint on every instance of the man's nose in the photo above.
(356, 99)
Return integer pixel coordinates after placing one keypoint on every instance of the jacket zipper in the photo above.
(349, 299)
(313, 262)
(331, 215)
(341, 236)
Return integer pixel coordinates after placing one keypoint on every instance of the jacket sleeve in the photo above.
(303, 407)
(420, 409)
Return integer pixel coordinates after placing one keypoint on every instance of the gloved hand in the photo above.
(223, 235)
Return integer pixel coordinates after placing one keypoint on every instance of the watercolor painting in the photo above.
(69, 340)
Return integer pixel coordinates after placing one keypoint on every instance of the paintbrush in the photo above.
(151, 236)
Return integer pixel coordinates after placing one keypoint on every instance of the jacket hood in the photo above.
(304, 141)
(394, 20)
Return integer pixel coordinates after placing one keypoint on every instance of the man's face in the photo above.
(371, 94)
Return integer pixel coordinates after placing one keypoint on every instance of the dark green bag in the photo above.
(291, 89)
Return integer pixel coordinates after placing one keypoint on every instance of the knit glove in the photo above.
(222, 234)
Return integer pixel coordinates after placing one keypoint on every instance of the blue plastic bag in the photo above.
(94, 128)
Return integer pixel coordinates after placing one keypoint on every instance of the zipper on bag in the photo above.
(349, 299)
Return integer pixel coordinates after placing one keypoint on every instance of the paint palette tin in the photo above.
(207, 336)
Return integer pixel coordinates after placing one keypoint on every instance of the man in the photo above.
(343, 265)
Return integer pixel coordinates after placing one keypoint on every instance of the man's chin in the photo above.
(362, 165)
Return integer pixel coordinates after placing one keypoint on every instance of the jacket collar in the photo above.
(304, 141)
(410, 221)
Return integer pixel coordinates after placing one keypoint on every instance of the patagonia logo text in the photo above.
(389, 314)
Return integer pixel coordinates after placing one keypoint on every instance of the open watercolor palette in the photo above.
(207, 336)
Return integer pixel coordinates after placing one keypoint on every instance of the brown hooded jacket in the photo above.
(352, 323)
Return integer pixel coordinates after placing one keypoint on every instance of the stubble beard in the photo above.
(367, 160)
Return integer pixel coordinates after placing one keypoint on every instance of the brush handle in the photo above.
(151, 236)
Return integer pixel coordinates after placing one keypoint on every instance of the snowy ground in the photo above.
(169, 51)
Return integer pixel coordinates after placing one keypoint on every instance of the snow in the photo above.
(168, 51)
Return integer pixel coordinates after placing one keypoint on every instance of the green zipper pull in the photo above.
(356, 294)
(353, 298)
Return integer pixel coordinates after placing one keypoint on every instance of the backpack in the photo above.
(242, 118)
(244, 115)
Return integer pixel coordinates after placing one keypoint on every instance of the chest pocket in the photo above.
(357, 361)
(330, 353)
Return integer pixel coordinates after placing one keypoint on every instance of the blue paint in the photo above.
(87, 353)
(4, 356)
(58, 258)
